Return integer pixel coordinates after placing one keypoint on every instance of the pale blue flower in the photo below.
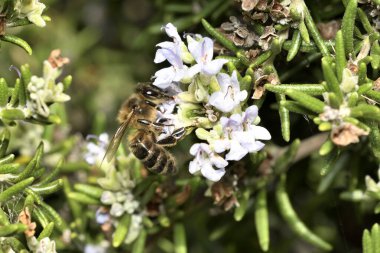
(102, 216)
(96, 148)
(203, 50)
(229, 96)
(199, 50)
(170, 51)
(241, 135)
(205, 160)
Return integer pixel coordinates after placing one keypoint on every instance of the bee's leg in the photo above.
(175, 136)
(156, 125)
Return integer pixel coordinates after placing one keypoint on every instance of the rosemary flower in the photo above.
(205, 160)
(32, 10)
(230, 96)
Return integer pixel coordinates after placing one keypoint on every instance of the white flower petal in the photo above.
(171, 55)
(213, 67)
(237, 152)
(221, 145)
(242, 95)
(192, 71)
(218, 161)
(250, 113)
(164, 77)
(207, 48)
(117, 209)
(257, 147)
(107, 198)
(172, 32)
(194, 167)
(223, 80)
(194, 47)
(260, 133)
(218, 100)
(194, 149)
(210, 173)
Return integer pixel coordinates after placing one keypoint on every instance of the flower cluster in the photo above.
(199, 53)
(32, 10)
(236, 136)
(209, 100)
(118, 195)
(44, 90)
(45, 245)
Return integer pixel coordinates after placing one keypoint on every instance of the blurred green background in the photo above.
(111, 45)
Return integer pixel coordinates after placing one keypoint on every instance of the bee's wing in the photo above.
(117, 138)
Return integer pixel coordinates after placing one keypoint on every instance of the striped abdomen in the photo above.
(154, 157)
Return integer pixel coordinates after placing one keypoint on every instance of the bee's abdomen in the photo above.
(154, 157)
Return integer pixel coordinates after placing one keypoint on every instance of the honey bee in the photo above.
(140, 112)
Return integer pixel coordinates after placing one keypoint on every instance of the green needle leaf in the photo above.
(348, 24)
(262, 219)
(243, 205)
(375, 238)
(340, 55)
(179, 238)
(313, 30)
(83, 198)
(331, 79)
(90, 190)
(366, 111)
(303, 32)
(261, 59)
(4, 142)
(139, 244)
(292, 219)
(311, 103)
(121, 230)
(332, 172)
(48, 188)
(367, 242)
(47, 231)
(3, 92)
(41, 217)
(296, 44)
(12, 228)
(52, 215)
(375, 54)
(15, 189)
(310, 89)
(284, 117)
(374, 138)
(365, 22)
(17, 41)
(32, 165)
